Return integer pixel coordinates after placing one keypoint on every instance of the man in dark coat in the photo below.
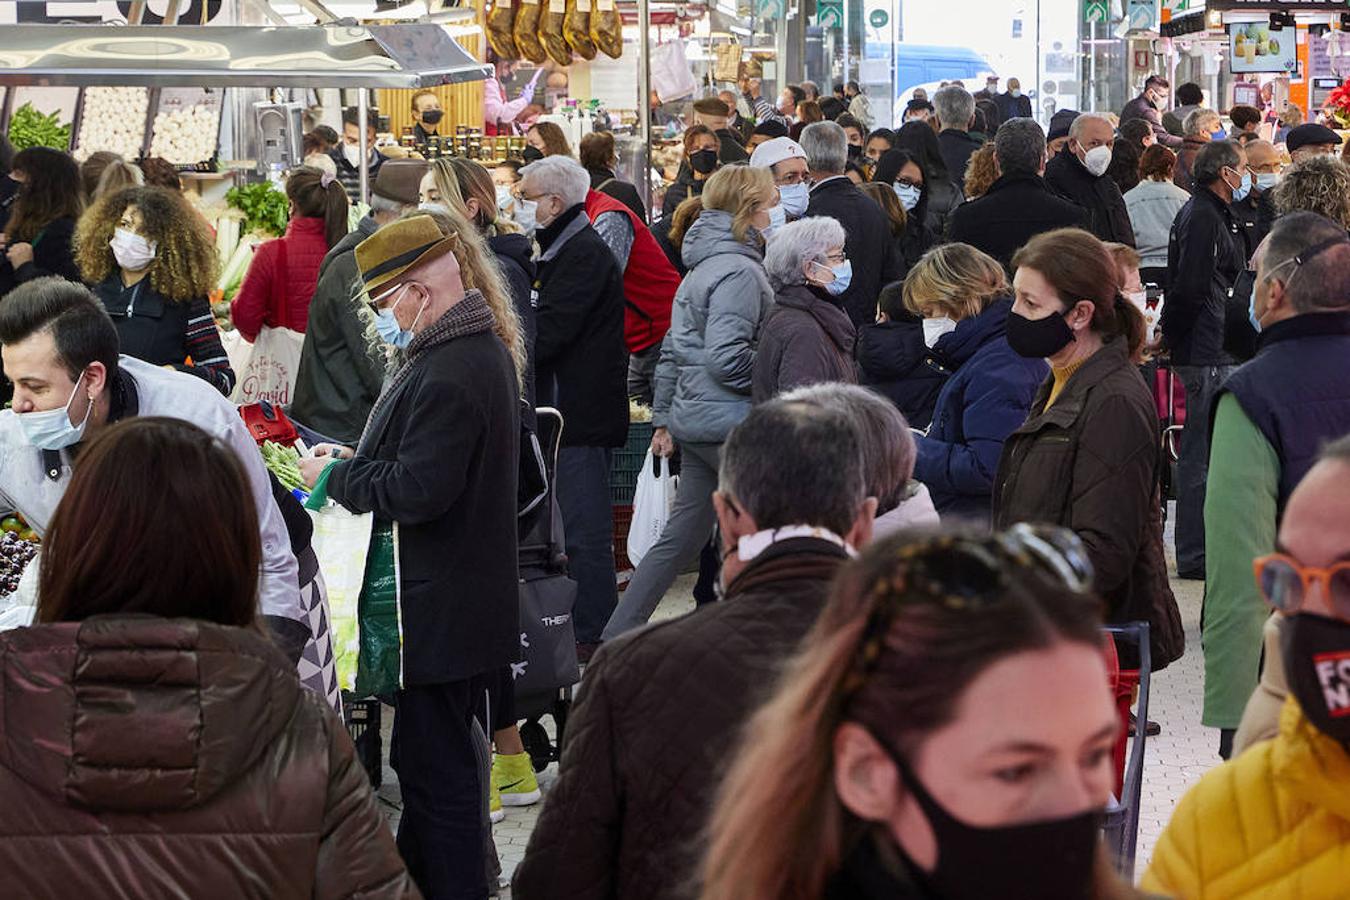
(1078, 173)
(1018, 206)
(1012, 103)
(1204, 256)
(640, 772)
(956, 113)
(581, 368)
(1147, 106)
(341, 369)
(437, 464)
(871, 252)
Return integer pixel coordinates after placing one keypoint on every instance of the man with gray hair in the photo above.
(1078, 174)
(581, 367)
(1205, 254)
(1019, 205)
(956, 113)
(342, 364)
(871, 257)
(628, 812)
(806, 338)
(1272, 417)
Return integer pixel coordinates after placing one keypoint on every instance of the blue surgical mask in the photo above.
(777, 219)
(525, 215)
(1267, 180)
(388, 328)
(793, 198)
(1218, 135)
(843, 275)
(1243, 189)
(1251, 311)
(504, 198)
(908, 194)
(51, 429)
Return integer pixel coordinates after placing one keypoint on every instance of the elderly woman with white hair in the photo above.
(808, 338)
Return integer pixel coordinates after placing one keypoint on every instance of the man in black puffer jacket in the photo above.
(1078, 173)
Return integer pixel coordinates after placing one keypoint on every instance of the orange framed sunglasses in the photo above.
(1285, 583)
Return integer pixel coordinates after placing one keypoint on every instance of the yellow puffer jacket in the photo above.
(1272, 824)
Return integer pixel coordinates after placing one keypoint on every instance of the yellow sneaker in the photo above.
(495, 811)
(513, 779)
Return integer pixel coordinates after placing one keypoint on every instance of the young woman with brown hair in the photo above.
(1087, 456)
(152, 261)
(252, 774)
(545, 139)
(700, 161)
(912, 770)
(37, 236)
(282, 277)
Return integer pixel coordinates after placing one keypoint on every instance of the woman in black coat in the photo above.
(944, 194)
(902, 174)
(599, 160)
(40, 228)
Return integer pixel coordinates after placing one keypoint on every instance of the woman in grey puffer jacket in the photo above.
(703, 380)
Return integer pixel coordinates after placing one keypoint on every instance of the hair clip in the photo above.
(326, 179)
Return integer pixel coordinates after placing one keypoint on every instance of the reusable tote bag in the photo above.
(274, 358)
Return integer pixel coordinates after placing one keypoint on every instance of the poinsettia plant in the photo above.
(1338, 104)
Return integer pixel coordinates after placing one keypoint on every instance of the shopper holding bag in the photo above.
(272, 306)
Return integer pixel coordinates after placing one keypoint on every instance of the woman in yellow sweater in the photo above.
(1274, 823)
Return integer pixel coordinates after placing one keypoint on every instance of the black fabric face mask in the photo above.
(703, 161)
(432, 116)
(1048, 860)
(532, 154)
(1038, 338)
(854, 151)
(1317, 664)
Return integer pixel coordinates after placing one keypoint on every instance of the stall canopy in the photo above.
(333, 56)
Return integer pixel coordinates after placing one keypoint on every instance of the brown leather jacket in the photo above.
(1090, 463)
(143, 757)
(656, 726)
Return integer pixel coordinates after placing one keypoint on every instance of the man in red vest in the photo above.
(649, 284)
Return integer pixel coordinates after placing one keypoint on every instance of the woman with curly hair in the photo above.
(981, 172)
(151, 259)
(1319, 184)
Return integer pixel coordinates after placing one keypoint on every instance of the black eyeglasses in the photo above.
(967, 573)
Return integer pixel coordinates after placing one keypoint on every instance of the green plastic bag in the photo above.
(378, 666)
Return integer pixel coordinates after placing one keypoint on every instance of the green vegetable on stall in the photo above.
(284, 462)
(266, 209)
(30, 128)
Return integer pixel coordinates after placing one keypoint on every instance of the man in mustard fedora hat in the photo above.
(437, 465)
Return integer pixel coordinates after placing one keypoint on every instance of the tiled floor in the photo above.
(1173, 761)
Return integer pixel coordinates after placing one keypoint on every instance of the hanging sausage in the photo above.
(607, 29)
(577, 28)
(525, 30)
(551, 32)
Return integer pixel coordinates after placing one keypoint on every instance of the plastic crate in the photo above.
(623, 518)
(627, 463)
(363, 725)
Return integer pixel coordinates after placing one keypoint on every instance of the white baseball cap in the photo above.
(774, 151)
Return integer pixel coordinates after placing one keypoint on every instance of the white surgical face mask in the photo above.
(1015, 93)
(524, 216)
(935, 328)
(132, 252)
(794, 198)
(504, 197)
(429, 206)
(1098, 160)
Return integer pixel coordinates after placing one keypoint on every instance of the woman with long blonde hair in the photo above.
(964, 299)
(895, 760)
(703, 381)
(466, 190)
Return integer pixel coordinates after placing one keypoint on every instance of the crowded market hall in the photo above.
(976, 396)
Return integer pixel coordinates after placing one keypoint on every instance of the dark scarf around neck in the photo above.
(469, 316)
(548, 234)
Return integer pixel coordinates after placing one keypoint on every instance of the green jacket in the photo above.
(1240, 525)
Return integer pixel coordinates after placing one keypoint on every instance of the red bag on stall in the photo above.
(268, 423)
